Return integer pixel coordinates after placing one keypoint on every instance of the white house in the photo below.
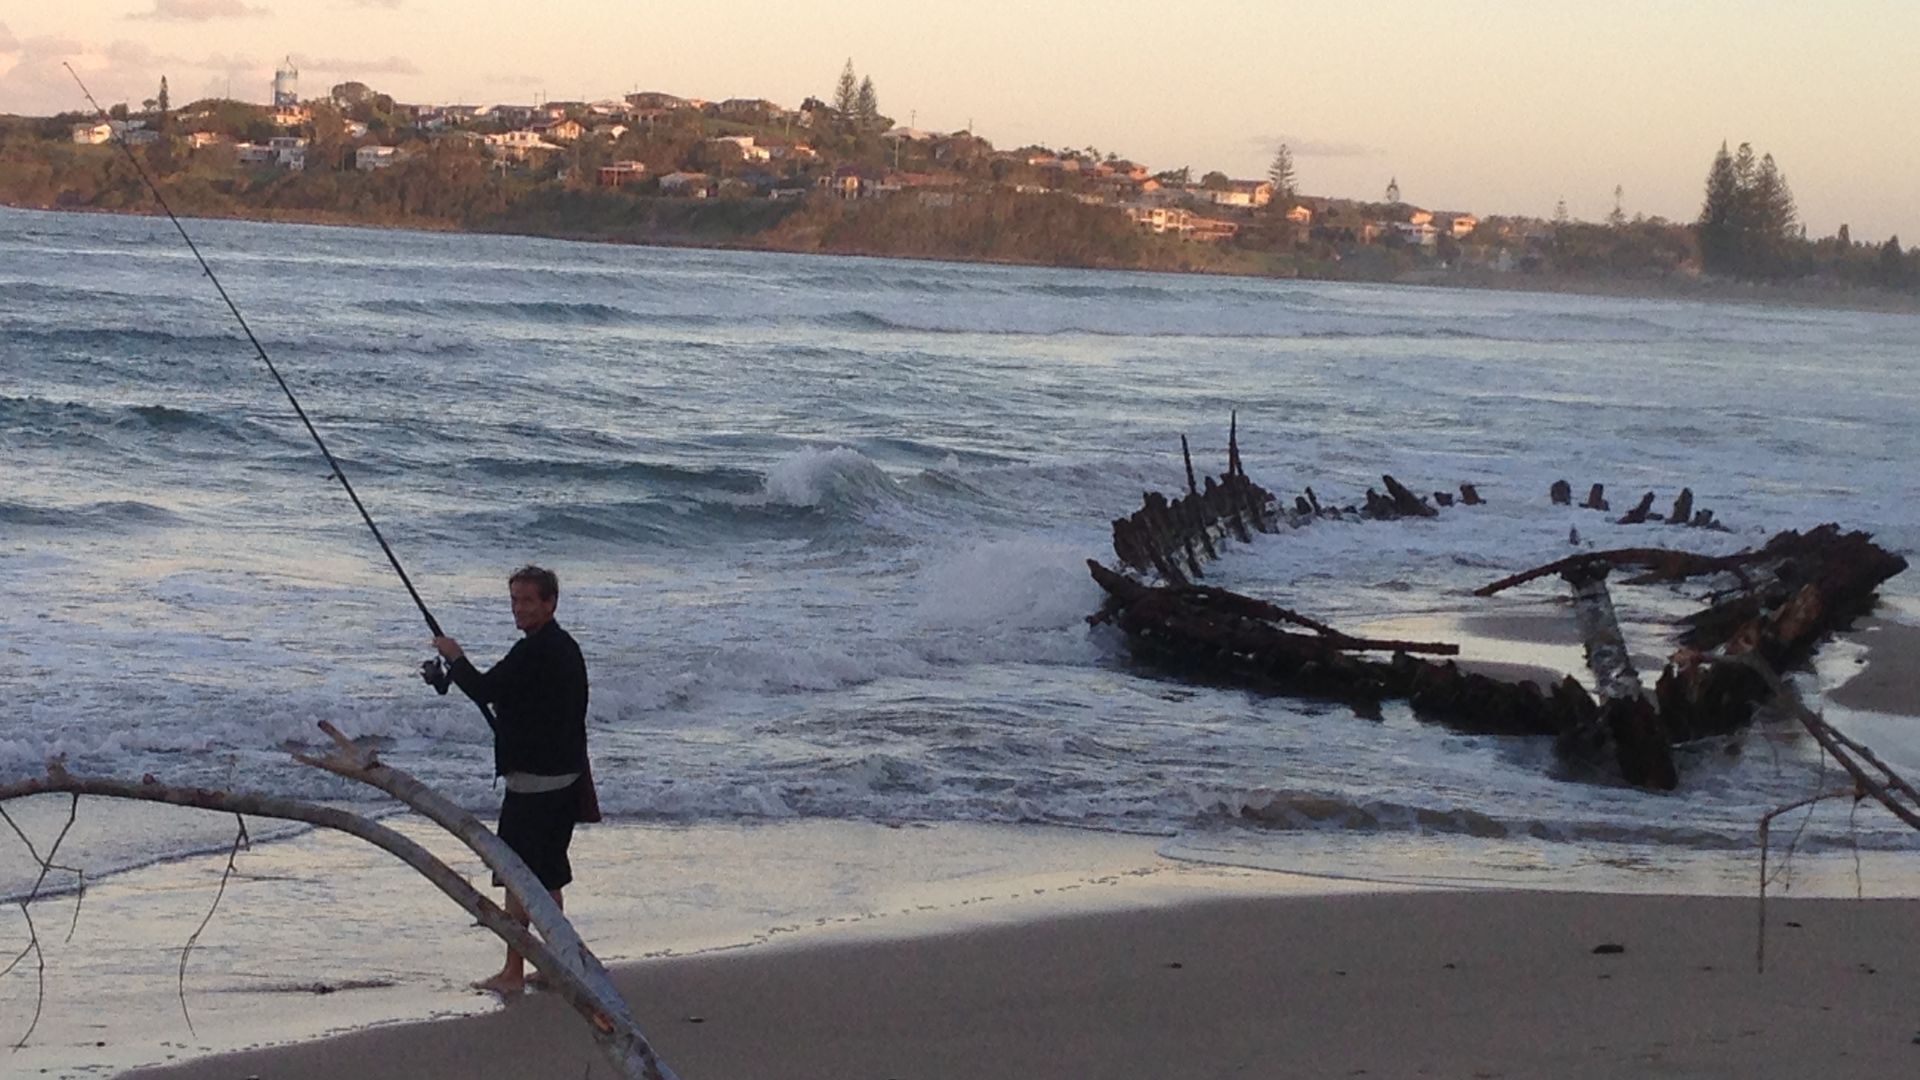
(92, 134)
(1248, 193)
(517, 145)
(289, 151)
(744, 143)
(369, 158)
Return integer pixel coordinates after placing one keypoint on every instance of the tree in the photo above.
(1280, 173)
(1393, 191)
(1618, 218)
(162, 99)
(1845, 238)
(1892, 266)
(846, 94)
(866, 106)
(1717, 226)
(1748, 226)
(1216, 181)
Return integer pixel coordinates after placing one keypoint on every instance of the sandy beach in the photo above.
(1442, 984)
(1888, 680)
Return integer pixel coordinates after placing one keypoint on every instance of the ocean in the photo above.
(821, 525)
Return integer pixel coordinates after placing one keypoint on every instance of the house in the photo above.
(200, 140)
(354, 129)
(796, 152)
(92, 134)
(290, 115)
(560, 130)
(1300, 215)
(689, 185)
(1248, 193)
(611, 132)
(622, 173)
(747, 110)
(517, 145)
(247, 153)
(1417, 216)
(134, 136)
(369, 158)
(850, 181)
(1422, 233)
(1185, 224)
(1457, 225)
(289, 151)
(654, 99)
(744, 144)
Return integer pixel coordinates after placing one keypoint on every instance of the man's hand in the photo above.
(448, 648)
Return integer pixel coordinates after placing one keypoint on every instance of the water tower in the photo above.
(286, 84)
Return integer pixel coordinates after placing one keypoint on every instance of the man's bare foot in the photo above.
(502, 983)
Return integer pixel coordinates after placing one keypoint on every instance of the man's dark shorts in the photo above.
(538, 827)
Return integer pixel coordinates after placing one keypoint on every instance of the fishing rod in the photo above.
(432, 623)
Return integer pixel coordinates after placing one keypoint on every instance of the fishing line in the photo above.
(432, 623)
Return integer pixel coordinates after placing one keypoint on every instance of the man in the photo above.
(537, 695)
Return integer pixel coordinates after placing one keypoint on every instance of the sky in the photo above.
(1485, 106)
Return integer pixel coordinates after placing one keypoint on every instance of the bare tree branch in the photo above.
(572, 970)
(239, 840)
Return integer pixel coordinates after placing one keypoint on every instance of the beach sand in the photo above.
(1441, 984)
(1888, 680)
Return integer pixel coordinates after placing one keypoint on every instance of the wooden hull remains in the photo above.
(1775, 603)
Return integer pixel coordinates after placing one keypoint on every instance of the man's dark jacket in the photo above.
(538, 692)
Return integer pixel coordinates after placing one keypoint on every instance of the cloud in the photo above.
(1317, 148)
(392, 65)
(197, 10)
(8, 43)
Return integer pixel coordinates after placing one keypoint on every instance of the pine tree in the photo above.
(1618, 218)
(1845, 238)
(866, 106)
(845, 93)
(162, 99)
(1716, 228)
(1280, 173)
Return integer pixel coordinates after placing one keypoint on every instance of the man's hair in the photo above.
(540, 577)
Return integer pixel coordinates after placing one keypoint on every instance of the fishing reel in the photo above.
(434, 674)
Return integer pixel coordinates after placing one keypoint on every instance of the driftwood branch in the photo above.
(240, 840)
(571, 968)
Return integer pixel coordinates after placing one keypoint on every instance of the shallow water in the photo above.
(822, 522)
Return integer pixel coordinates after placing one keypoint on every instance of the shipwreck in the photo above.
(1761, 610)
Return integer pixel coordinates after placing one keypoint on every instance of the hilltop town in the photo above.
(656, 167)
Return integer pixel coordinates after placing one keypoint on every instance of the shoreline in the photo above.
(1393, 984)
(1804, 295)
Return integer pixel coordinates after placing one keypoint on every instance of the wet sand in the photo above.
(1889, 680)
(1443, 984)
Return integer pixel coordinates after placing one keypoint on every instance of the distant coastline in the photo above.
(1682, 287)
